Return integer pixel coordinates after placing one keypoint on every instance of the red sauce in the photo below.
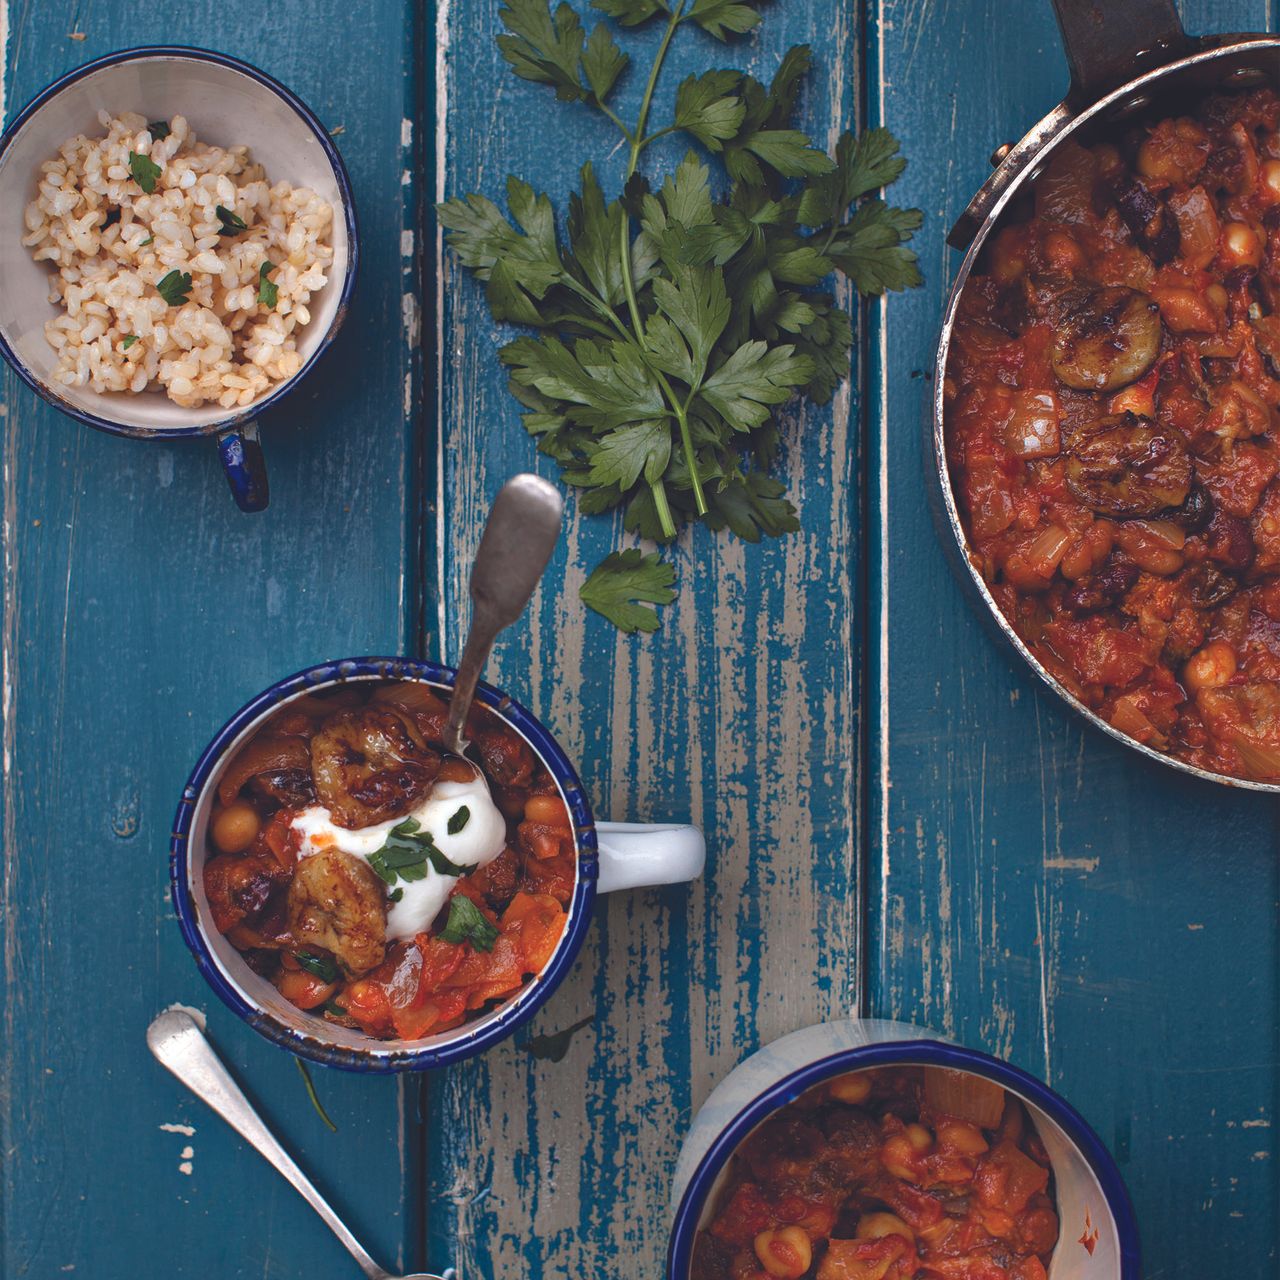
(1111, 426)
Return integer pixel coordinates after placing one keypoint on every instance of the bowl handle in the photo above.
(634, 855)
(246, 466)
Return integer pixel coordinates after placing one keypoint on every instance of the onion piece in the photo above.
(964, 1095)
(267, 753)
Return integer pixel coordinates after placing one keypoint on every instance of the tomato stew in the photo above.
(866, 1177)
(1111, 425)
(313, 918)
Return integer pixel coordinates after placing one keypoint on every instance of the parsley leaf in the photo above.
(159, 130)
(129, 340)
(623, 578)
(145, 171)
(174, 287)
(232, 222)
(461, 816)
(334, 1008)
(404, 856)
(467, 923)
(268, 292)
(671, 322)
(147, 241)
(323, 967)
(717, 17)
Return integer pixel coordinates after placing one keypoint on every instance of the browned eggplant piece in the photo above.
(1110, 340)
(270, 754)
(338, 903)
(1123, 465)
(371, 765)
(1147, 217)
(1103, 589)
(1208, 586)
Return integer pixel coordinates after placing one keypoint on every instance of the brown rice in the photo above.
(223, 344)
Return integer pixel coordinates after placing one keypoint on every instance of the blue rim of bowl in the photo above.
(300, 108)
(684, 1228)
(523, 1006)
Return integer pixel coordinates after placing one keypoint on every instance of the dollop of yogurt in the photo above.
(479, 840)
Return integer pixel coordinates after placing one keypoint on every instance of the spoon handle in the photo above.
(518, 540)
(178, 1043)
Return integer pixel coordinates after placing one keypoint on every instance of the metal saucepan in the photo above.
(1127, 57)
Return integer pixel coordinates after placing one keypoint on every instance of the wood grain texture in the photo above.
(141, 609)
(739, 713)
(1038, 890)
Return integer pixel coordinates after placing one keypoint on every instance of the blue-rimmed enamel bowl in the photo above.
(1099, 1235)
(228, 103)
(253, 997)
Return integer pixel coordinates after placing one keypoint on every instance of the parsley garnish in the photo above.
(461, 816)
(467, 923)
(323, 967)
(406, 853)
(232, 222)
(147, 241)
(175, 287)
(268, 293)
(673, 323)
(623, 578)
(130, 339)
(395, 895)
(311, 1093)
(145, 171)
(159, 130)
(333, 1007)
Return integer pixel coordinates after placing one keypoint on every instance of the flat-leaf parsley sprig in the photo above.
(671, 323)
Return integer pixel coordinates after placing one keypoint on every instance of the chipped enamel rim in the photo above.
(933, 1053)
(375, 1055)
(241, 416)
(1056, 128)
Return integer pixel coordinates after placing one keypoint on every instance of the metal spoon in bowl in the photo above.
(517, 542)
(179, 1044)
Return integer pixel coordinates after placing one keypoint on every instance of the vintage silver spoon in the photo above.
(517, 542)
(179, 1044)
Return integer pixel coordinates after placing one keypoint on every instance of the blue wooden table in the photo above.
(898, 819)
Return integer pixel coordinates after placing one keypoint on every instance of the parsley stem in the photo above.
(638, 141)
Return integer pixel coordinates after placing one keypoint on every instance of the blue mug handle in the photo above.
(246, 467)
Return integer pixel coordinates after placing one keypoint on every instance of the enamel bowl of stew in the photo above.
(365, 899)
(873, 1151)
(1107, 424)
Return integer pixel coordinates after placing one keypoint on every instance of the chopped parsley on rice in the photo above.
(112, 244)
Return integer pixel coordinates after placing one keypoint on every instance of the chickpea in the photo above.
(1063, 253)
(786, 1254)
(920, 1138)
(961, 1137)
(899, 1157)
(549, 810)
(1240, 246)
(235, 827)
(875, 1226)
(853, 1088)
(304, 989)
(1009, 255)
(1270, 184)
(453, 769)
(1210, 668)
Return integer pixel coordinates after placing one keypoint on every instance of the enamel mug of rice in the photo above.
(180, 249)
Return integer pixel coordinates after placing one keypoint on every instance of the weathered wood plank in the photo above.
(1040, 891)
(141, 609)
(739, 713)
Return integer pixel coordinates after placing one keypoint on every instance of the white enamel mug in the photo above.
(1099, 1236)
(611, 855)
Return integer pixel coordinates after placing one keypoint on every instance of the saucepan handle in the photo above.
(246, 466)
(1110, 41)
(634, 855)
